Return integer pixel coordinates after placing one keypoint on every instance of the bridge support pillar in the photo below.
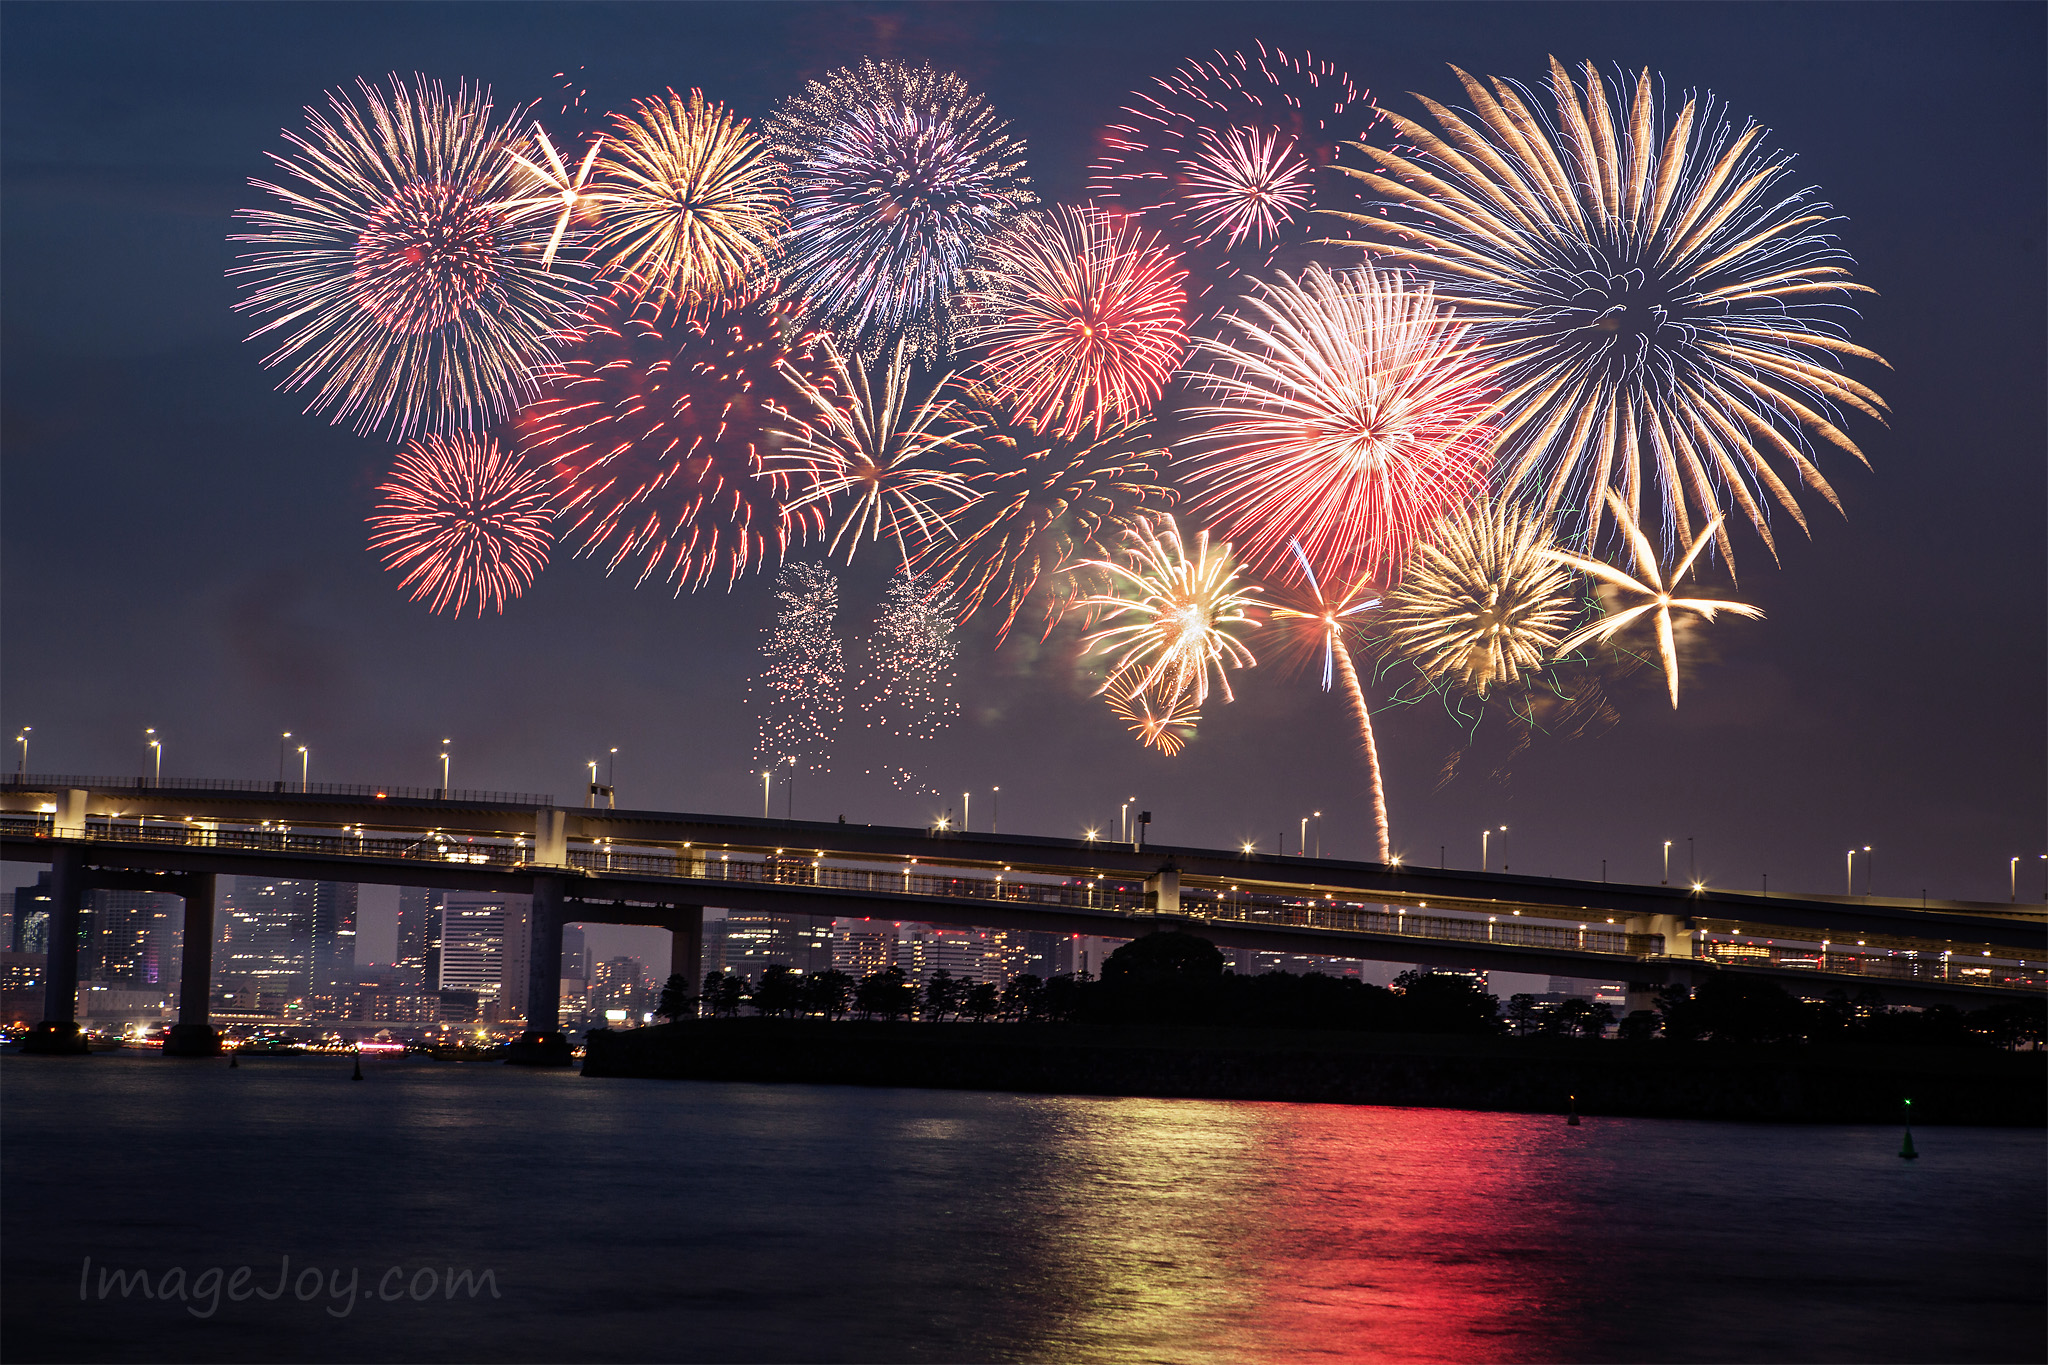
(543, 1043)
(686, 955)
(69, 822)
(58, 1034)
(1676, 930)
(193, 1035)
(1162, 889)
(551, 839)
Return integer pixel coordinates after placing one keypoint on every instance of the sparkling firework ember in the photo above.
(1654, 587)
(1234, 151)
(1042, 503)
(693, 203)
(897, 174)
(800, 691)
(910, 659)
(1323, 623)
(464, 521)
(402, 291)
(1084, 317)
(1346, 413)
(1482, 603)
(1173, 617)
(1662, 310)
(656, 436)
(1165, 726)
(866, 448)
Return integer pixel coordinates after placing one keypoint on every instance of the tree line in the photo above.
(1179, 978)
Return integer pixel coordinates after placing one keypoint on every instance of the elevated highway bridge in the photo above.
(663, 868)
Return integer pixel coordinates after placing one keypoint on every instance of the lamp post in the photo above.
(1484, 836)
(1123, 820)
(590, 793)
(995, 807)
(1301, 849)
(156, 749)
(966, 812)
(2015, 861)
(789, 792)
(305, 767)
(1319, 834)
(1849, 885)
(767, 777)
(444, 767)
(1869, 866)
(1667, 864)
(282, 741)
(22, 740)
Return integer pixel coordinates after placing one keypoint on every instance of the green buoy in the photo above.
(359, 1068)
(1572, 1111)
(1906, 1148)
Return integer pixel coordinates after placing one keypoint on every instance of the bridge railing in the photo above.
(1380, 920)
(51, 782)
(908, 882)
(1952, 968)
(417, 848)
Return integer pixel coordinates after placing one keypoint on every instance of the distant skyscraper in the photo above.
(575, 956)
(472, 943)
(746, 943)
(922, 950)
(334, 936)
(862, 947)
(418, 958)
(32, 917)
(267, 936)
(618, 985)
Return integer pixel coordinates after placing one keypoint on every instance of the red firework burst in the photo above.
(1348, 413)
(465, 521)
(1084, 316)
(655, 433)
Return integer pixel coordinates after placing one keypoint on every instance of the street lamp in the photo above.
(444, 767)
(2015, 861)
(789, 791)
(995, 807)
(966, 812)
(767, 777)
(1484, 852)
(1301, 848)
(305, 761)
(590, 796)
(282, 740)
(156, 748)
(1319, 834)
(1667, 864)
(1869, 866)
(22, 740)
(1849, 886)
(1123, 820)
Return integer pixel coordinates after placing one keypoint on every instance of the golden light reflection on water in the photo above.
(1229, 1232)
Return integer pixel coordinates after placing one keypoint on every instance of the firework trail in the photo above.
(1042, 504)
(398, 288)
(1083, 314)
(552, 188)
(1345, 411)
(1482, 604)
(657, 433)
(693, 203)
(1319, 623)
(1231, 156)
(863, 441)
(897, 174)
(1654, 587)
(910, 656)
(1173, 616)
(1664, 310)
(1163, 725)
(799, 692)
(464, 521)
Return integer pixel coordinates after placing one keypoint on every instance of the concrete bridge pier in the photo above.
(686, 953)
(193, 1035)
(543, 1043)
(58, 1034)
(1162, 890)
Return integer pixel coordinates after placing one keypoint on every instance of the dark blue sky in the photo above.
(184, 549)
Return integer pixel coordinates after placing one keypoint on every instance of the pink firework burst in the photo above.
(465, 521)
(1346, 411)
(1231, 157)
(655, 433)
(1084, 314)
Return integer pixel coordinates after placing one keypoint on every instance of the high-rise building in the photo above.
(618, 984)
(267, 936)
(923, 949)
(334, 936)
(472, 948)
(745, 943)
(31, 933)
(575, 956)
(418, 957)
(862, 947)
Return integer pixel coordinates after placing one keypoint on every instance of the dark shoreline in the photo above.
(1809, 1083)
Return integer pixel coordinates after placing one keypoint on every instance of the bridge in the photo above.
(662, 868)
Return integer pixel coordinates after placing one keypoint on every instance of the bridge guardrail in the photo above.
(173, 785)
(1951, 968)
(799, 872)
(1358, 919)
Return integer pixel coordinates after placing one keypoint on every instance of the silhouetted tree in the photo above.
(982, 1001)
(1065, 996)
(942, 995)
(1168, 976)
(1639, 1027)
(724, 992)
(781, 990)
(676, 1001)
(1441, 1002)
(1521, 1012)
(827, 993)
(886, 994)
(1022, 996)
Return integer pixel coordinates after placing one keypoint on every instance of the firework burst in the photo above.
(1083, 314)
(897, 174)
(1172, 618)
(1346, 413)
(693, 202)
(1482, 604)
(1235, 153)
(399, 289)
(910, 659)
(656, 435)
(1665, 311)
(800, 692)
(1163, 725)
(464, 521)
(1320, 623)
(1042, 503)
(1653, 586)
(874, 449)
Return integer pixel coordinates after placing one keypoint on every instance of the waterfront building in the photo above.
(618, 990)
(745, 942)
(862, 947)
(267, 937)
(471, 951)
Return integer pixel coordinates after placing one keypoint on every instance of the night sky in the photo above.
(184, 549)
